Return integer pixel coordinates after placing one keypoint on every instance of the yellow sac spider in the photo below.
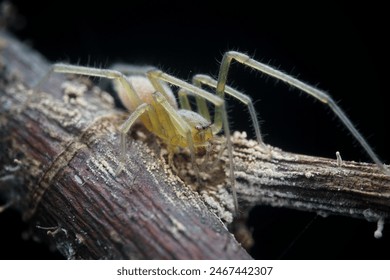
(148, 96)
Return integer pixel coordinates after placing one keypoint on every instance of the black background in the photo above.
(340, 48)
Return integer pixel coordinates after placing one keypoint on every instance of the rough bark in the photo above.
(59, 150)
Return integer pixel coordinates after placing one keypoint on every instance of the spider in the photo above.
(147, 94)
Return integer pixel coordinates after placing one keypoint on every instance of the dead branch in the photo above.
(59, 150)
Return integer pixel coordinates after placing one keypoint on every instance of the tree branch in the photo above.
(59, 150)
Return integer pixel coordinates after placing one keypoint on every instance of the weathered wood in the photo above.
(59, 150)
(309, 183)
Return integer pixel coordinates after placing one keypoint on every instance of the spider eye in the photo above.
(202, 127)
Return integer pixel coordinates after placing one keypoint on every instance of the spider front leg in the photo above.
(156, 77)
(316, 93)
(200, 79)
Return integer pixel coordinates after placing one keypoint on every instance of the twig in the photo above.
(59, 150)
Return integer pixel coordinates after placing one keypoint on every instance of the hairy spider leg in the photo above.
(183, 100)
(201, 104)
(127, 70)
(156, 76)
(131, 70)
(96, 72)
(316, 93)
(200, 79)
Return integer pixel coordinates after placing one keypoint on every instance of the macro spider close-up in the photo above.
(217, 71)
(147, 95)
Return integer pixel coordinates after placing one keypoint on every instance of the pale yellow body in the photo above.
(159, 121)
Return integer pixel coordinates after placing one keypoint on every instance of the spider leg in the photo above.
(131, 70)
(316, 93)
(201, 104)
(200, 79)
(183, 100)
(202, 107)
(128, 70)
(95, 72)
(124, 129)
(212, 165)
(171, 163)
(157, 76)
(181, 125)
